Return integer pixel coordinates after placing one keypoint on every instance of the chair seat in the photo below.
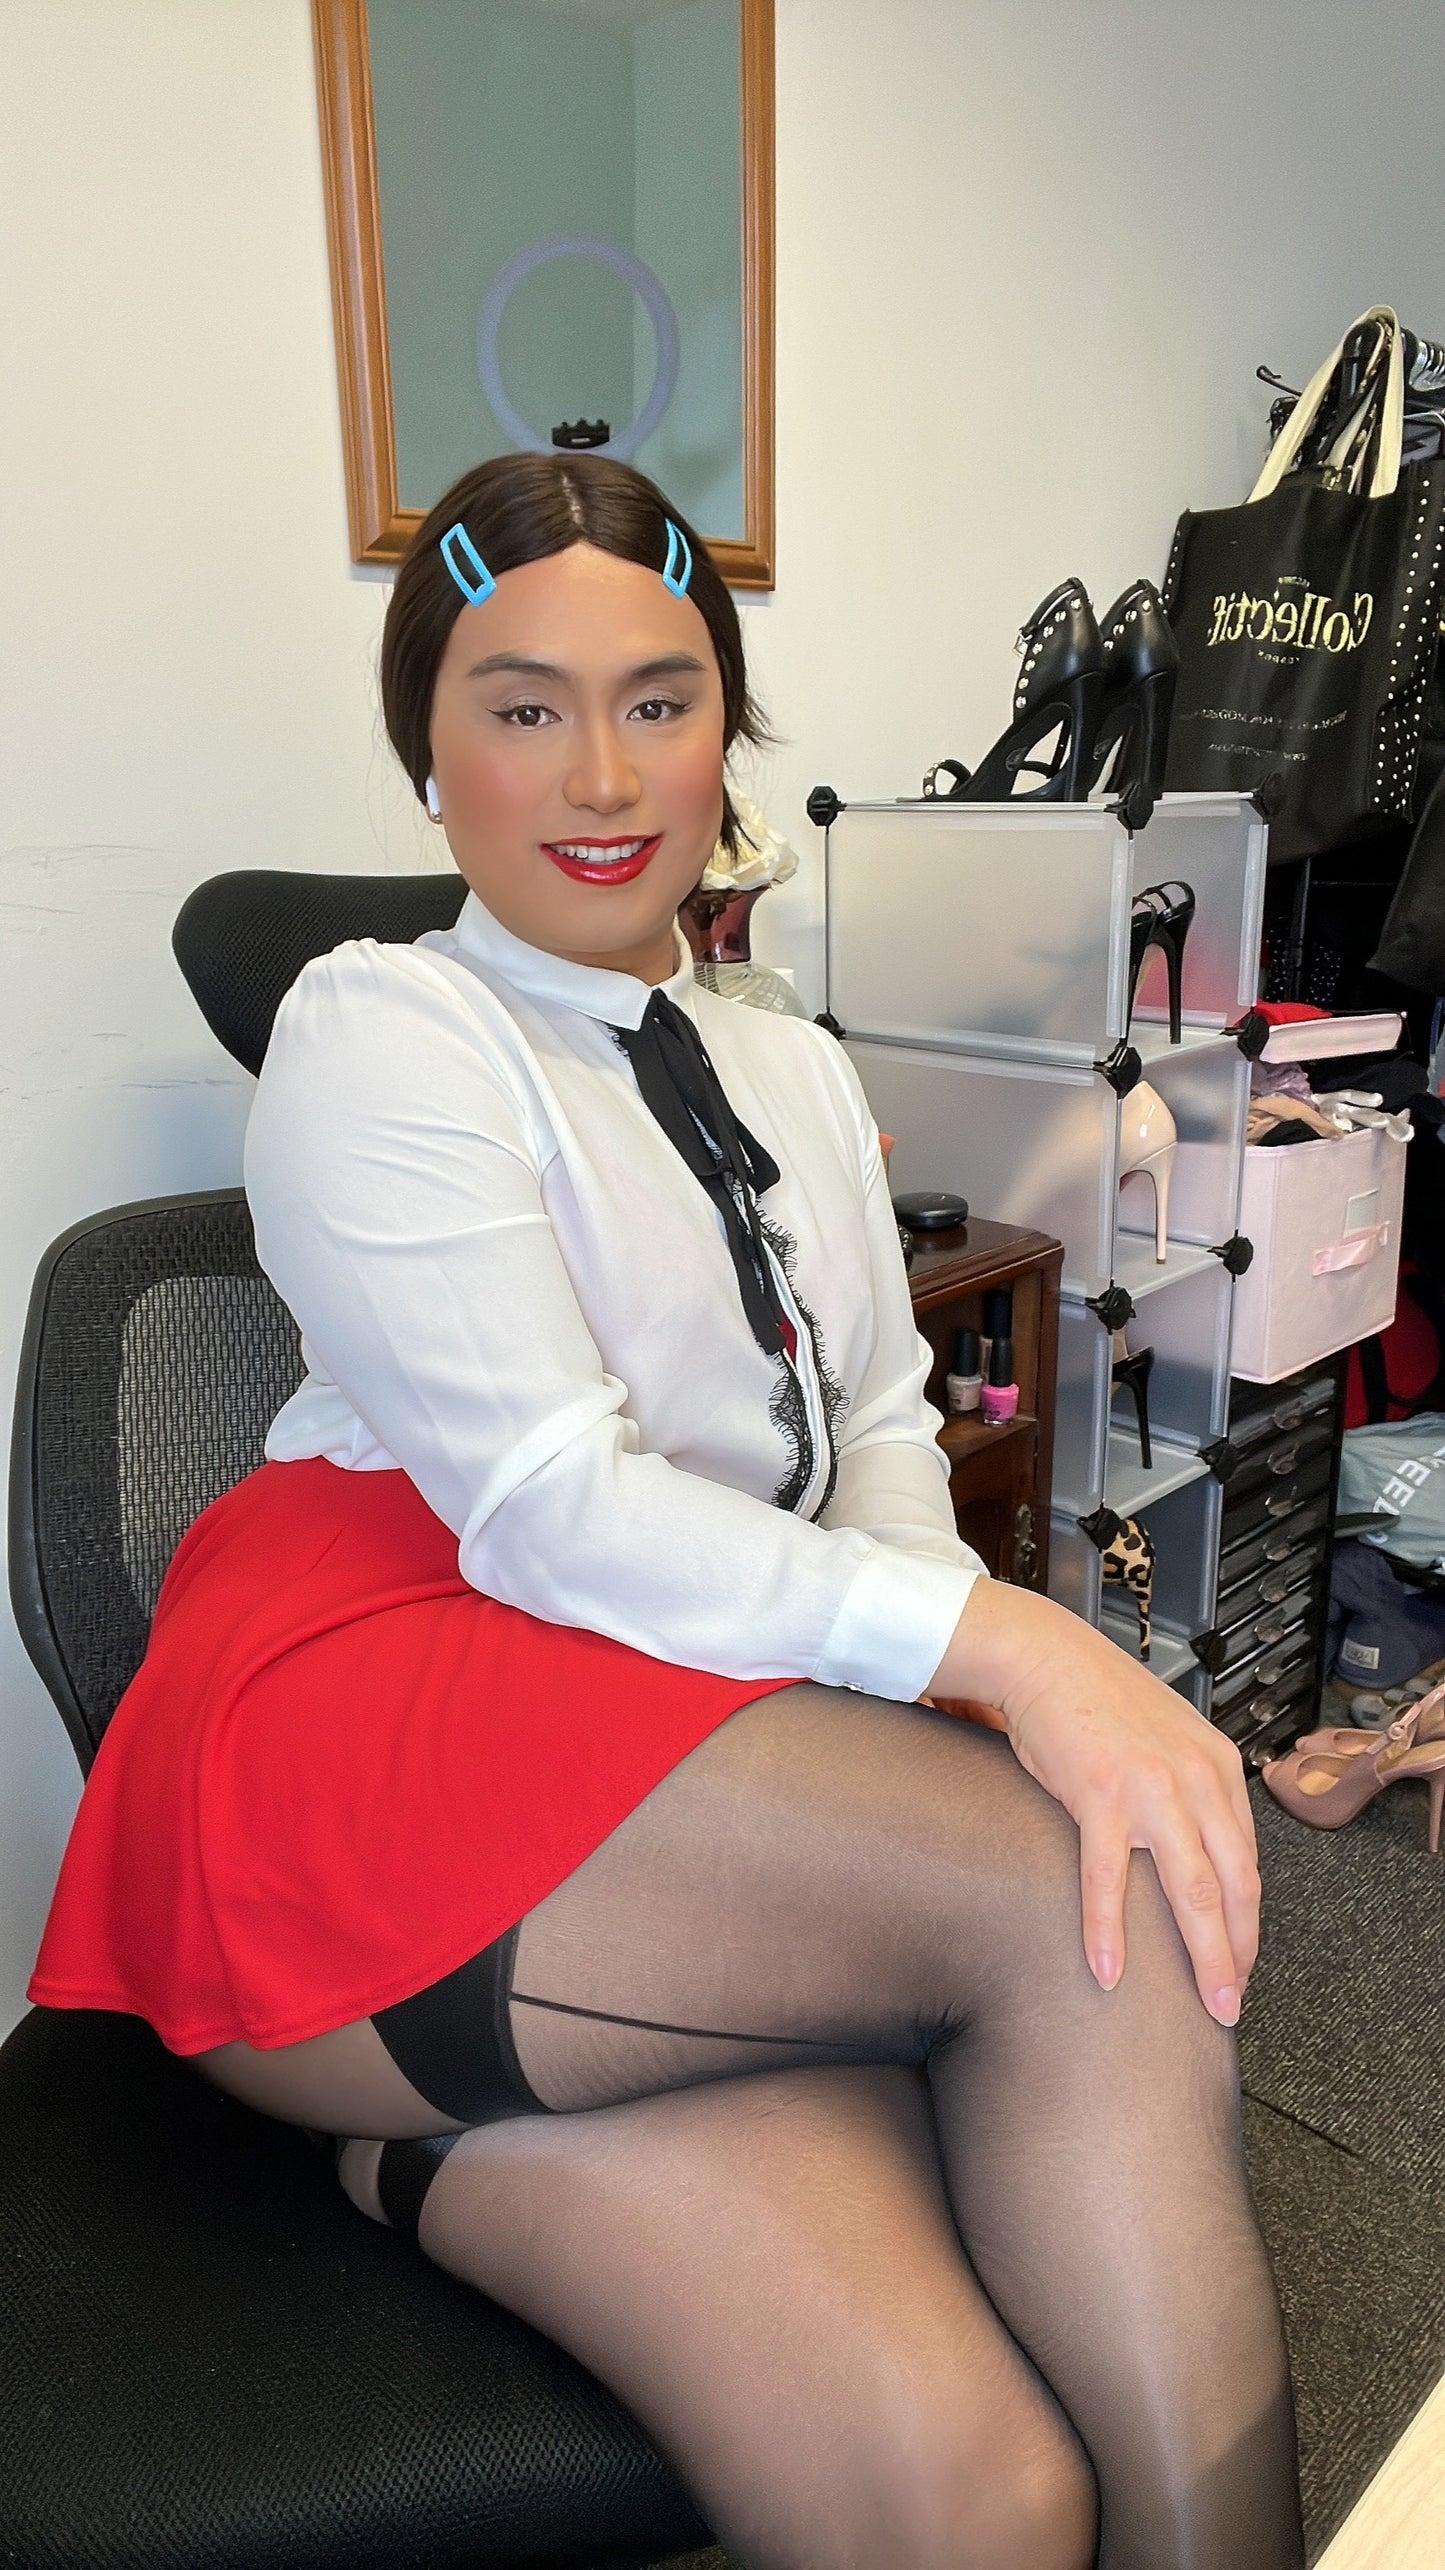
(209, 2360)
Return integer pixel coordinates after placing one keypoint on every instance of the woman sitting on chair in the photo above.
(533, 1779)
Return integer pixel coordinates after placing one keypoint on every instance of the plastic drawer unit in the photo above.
(1279, 1465)
(978, 970)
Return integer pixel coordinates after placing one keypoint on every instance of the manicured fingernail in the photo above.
(1226, 2006)
(1106, 1969)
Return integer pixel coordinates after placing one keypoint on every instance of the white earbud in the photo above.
(433, 799)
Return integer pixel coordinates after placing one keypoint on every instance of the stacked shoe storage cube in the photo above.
(978, 964)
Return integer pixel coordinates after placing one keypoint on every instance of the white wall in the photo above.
(187, 652)
(1030, 252)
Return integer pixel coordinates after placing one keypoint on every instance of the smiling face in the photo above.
(577, 747)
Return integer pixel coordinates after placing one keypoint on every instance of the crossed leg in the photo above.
(831, 1880)
(767, 2272)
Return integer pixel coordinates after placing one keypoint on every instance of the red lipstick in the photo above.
(568, 857)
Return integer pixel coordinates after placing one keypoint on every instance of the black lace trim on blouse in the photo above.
(788, 1408)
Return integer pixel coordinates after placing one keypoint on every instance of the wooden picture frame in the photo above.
(381, 529)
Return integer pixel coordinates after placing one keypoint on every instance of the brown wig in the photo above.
(520, 508)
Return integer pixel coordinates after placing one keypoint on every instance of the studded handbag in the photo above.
(1308, 619)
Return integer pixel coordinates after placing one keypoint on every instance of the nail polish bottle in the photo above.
(1000, 1396)
(998, 1313)
(964, 1385)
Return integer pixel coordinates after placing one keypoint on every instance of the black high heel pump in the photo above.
(1141, 672)
(1061, 683)
(1158, 920)
(1135, 1370)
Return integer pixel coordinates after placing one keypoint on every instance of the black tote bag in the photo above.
(1308, 623)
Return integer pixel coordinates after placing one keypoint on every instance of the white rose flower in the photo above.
(762, 854)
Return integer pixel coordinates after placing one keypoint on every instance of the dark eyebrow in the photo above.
(676, 664)
(524, 668)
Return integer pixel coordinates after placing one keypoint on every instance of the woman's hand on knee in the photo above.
(1135, 1766)
(965, 1709)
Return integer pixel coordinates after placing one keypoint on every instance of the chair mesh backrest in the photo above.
(205, 1362)
(242, 938)
(156, 1353)
(160, 1356)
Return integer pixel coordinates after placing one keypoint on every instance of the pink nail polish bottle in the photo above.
(1000, 1397)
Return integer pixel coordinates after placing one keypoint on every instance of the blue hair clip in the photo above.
(678, 550)
(476, 592)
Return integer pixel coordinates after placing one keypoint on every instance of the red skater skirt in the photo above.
(340, 1771)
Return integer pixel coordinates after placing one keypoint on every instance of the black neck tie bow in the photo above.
(679, 1085)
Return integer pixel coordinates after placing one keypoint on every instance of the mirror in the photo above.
(551, 224)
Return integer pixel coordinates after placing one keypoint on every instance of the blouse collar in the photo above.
(618, 998)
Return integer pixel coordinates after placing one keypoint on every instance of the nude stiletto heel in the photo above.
(1325, 1788)
(1349, 1742)
(1148, 1139)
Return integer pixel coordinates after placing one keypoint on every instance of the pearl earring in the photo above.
(433, 799)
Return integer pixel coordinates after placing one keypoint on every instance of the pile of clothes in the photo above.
(1284, 1108)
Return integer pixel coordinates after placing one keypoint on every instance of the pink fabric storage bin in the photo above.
(1324, 1218)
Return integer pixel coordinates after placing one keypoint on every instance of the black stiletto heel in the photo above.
(1141, 672)
(1139, 777)
(1135, 1370)
(1061, 683)
(1158, 920)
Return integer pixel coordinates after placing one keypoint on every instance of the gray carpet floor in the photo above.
(1343, 2056)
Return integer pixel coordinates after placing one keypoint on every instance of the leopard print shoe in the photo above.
(1129, 1564)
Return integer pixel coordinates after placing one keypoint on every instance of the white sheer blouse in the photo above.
(510, 1287)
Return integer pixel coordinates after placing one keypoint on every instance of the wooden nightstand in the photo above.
(1000, 1478)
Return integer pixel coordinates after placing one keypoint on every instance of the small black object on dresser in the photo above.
(931, 1209)
(1280, 1467)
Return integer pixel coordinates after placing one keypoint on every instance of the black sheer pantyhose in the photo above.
(831, 1880)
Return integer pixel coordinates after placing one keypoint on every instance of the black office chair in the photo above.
(208, 2359)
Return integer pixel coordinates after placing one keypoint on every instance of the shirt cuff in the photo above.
(895, 1623)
